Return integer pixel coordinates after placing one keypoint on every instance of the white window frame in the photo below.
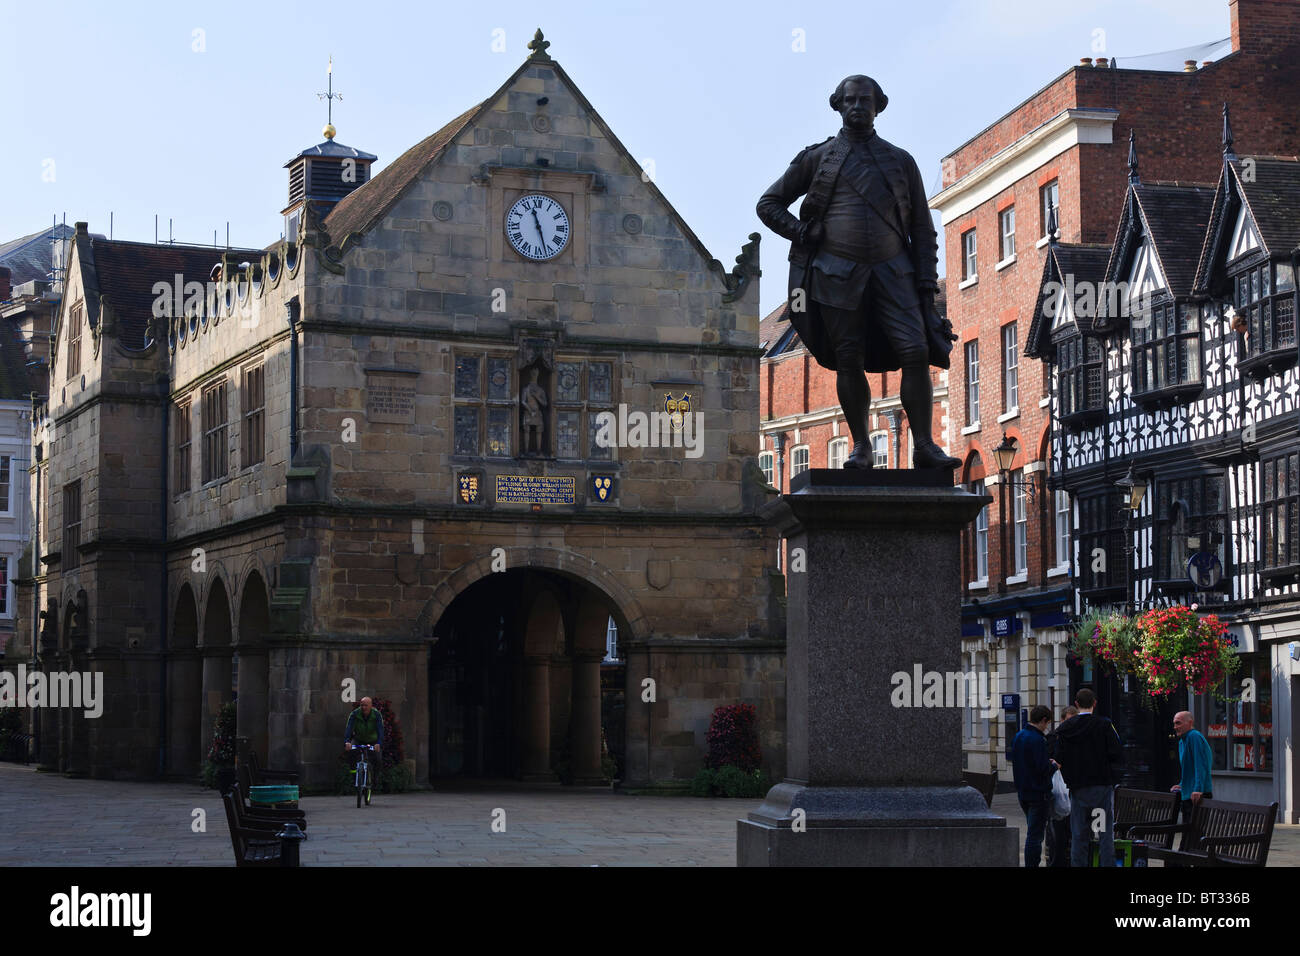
(1049, 195)
(839, 444)
(880, 457)
(1061, 527)
(8, 510)
(1020, 515)
(769, 469)
(1010, 369)
(1007, 236)
(794, 460)
(972, 359)
(969, 259)
(611, 641)
(981, 540)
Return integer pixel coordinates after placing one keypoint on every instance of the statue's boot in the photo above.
(918, 401)
(860, 457)
(930, 455)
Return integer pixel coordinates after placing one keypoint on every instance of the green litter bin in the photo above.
(274, 795)
(1127, 852)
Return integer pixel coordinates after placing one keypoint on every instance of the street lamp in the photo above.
(1005, 456)
(1134, 487)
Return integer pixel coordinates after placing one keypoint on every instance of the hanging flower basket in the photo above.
(1176, 646)
(1110, 638)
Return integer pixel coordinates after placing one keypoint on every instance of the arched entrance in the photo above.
(254, 665)
(515, 679)
(218, 678)
(184, 688)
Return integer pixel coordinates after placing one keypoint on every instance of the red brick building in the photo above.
(1067, 145)
(801, 424)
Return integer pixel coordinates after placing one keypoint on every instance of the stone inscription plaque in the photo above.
(536, 489)
(390, 398)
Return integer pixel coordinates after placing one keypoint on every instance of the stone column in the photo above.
(537, 706)
(252, 705)
(874, 773)
(585, 722)
(216, 691)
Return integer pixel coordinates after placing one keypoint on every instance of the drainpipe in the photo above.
(291, 314)
(36, 588)
(162, 591)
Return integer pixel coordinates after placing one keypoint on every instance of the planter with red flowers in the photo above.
(1177, 647)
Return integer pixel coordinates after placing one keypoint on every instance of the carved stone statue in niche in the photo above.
(533, 403)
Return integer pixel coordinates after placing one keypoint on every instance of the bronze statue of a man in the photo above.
(864, 268)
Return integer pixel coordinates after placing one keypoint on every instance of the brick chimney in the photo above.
(1264, 26)
(6, 290)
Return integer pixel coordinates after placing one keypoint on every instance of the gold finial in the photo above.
(538, 46)
(329, 131)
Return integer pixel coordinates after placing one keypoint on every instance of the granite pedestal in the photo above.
(872, 783)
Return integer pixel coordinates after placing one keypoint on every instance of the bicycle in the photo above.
(362, 771)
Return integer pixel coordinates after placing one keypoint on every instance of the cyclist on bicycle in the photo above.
(365, 726)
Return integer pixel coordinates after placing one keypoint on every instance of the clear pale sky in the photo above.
(117, 105)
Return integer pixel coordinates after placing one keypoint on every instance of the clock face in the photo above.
(537, 226)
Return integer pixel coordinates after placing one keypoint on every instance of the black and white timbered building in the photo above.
(1173, 361)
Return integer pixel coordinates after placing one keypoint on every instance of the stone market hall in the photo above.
(369, 451)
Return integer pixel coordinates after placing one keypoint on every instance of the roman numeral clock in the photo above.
(537, 226)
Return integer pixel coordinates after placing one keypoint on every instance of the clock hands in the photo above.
(540, 235)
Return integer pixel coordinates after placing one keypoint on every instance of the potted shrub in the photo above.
(219, 767)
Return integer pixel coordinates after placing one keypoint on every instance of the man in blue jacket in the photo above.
(1195, 757)
(1033, 771)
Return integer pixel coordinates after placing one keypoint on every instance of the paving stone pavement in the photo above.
(51, 820)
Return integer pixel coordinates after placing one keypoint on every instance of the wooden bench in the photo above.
(262, 776)
(271, 816)
(1218, 834)
(985, 783)
(1135, 808)
(253, 847)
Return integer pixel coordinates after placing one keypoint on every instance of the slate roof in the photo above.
(1176, 216)
(330, 148)
(770, 328)
(1087, 263)
(124, 274)
(31, 257)
(1273, 196)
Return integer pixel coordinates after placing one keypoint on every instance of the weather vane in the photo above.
(329, 98)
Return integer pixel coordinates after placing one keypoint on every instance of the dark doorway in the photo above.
(474, 670)
(1145, 725)
(515, 682)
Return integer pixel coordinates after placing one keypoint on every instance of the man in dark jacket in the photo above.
(1058, 831)
(1091, 755)
(1033, 771)
(863, 268)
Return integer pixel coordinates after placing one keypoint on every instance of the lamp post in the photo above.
(1134, 489)
(1005, 456)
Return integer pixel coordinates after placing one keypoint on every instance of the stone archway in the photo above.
(515, 678)
(254, 665)
(184, 688)
(218, 677)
